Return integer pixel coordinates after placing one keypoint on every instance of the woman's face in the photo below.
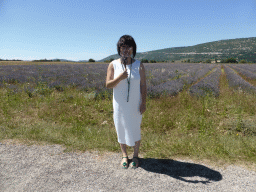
(126, 51)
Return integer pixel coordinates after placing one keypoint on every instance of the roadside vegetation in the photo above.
(217, 129)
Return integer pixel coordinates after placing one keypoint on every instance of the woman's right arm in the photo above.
(110, 81)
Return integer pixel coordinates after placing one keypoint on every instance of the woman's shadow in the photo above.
(179, 170)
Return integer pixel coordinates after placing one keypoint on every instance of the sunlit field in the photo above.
(194, 111)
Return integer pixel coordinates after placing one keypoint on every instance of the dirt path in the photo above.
(47, 168)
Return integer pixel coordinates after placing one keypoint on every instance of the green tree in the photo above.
(91, 60)
(242, 61)
(222, 60)
(231, 60)
(208, 61)
(144, 61)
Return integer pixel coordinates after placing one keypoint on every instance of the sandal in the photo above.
(134, 164)
(124, 164)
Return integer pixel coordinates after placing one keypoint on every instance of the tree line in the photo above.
(227, 60)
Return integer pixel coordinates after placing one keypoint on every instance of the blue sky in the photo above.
(84, 29)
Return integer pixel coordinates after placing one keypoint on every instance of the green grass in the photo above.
(219, 129)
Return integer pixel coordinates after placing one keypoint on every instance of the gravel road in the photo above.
(47, 168)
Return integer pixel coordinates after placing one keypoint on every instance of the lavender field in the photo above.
(162, 78)
(202, 111)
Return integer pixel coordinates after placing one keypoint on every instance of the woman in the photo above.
(127, 78)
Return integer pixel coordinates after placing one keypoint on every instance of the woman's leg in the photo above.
(123, 148)
(136, 152)
(136, 149)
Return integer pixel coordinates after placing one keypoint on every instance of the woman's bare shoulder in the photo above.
(111, 65)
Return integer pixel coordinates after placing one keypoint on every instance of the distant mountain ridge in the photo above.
(65, 60)
(62, 60)
(83, 61)
(240, 48)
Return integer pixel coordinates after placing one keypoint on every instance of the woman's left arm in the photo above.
(143, 88)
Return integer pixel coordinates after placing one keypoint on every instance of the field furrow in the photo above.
(237, 82)
(209, 84)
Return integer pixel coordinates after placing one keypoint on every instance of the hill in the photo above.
(63, 60)
(241, 48)
(83, 61)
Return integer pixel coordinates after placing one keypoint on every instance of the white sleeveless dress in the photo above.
(127, 116)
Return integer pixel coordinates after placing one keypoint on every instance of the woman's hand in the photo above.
(142, 108)
(123, 75)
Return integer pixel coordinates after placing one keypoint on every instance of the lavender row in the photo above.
(238, 82)
(249, 67)
(244, 71)
(93, 76)
(83, 75)
(209, 84)
(79, 75)
(175, 86)
(158, 73)
(163, 72)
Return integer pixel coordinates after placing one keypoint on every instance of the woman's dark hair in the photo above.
(127, 40)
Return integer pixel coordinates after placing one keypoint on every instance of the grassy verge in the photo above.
(219, 130)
